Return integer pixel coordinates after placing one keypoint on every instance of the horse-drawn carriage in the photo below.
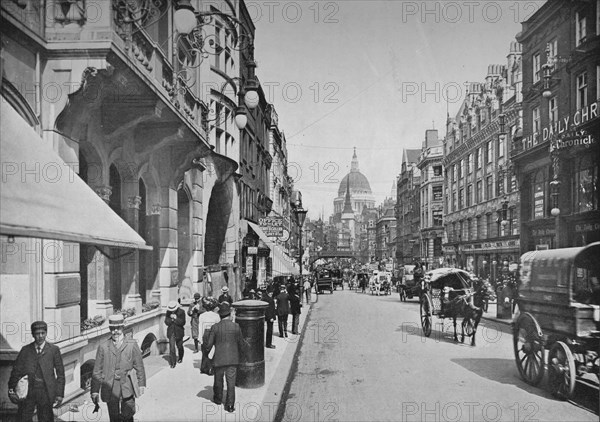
(559, 298)
(453, 293)
(410, 286)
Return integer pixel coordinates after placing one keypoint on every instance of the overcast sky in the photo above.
(371, 74)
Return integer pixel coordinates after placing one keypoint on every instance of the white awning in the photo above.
(43, 197)
(281, 263)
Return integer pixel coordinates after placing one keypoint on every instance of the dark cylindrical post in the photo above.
(250, 315)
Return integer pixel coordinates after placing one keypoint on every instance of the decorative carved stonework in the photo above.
(104, 192)
(134, 202)
(154, 209)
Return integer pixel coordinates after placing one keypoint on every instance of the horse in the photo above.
(469, 306)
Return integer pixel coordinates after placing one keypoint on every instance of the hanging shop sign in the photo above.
(271, 226)
(563, 126)
(252, 250)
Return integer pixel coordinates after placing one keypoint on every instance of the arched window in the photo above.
(586, 185)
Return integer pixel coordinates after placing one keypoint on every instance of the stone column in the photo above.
(98, 274)
(130, 270)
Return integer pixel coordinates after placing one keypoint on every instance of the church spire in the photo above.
(347, 203)
(354, 165)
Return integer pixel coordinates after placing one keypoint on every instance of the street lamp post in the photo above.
(300, 217)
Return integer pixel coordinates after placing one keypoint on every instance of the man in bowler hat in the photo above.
(41, 361)
(113, 379)
(226, 337)
(267, 296)
(283, 309)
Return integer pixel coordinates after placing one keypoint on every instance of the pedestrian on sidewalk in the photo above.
(283, 309)
(295, 306)
(119, 375)
(267, 296)
(225, 297)
(307, 287)
(175, 321)
(42, 363)
(226, 337)
(194, 312)
(206, 321)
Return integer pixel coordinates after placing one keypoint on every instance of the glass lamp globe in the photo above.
(241, 120)
(251, 99)
(185, 18)
(555, 212)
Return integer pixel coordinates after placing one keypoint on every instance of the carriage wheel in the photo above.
(426, 319)
(561, 371)
(529, 349)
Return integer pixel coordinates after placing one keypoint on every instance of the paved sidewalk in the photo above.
(184, 394)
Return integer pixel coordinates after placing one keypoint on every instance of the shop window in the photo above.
(586, 186)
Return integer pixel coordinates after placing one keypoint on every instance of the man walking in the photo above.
(267, 296)
(194, 312)
(42, 363)
(307, 287)
(113, 378)
(175, 321)
(226, 337)
(225, 297)
(283, 309)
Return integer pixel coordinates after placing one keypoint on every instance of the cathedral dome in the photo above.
(358, 184)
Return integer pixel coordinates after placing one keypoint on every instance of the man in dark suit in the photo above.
(226, 337)
(42, 363)
(225, 297)
(112, 378)
(175, 321)
(267, 296)
(283, 309)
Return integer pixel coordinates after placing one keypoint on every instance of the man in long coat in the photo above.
(175, 321)
(41, 361)
(283, 309)
(113, 378)
(226, 337)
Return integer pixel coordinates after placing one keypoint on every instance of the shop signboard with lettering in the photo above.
(538, 197)
(271, 226)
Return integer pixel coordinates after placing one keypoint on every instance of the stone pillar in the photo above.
(153, 257)
(99, 302)
(130, 272)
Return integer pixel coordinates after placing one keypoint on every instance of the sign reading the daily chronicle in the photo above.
(272, 226)
(565, 130)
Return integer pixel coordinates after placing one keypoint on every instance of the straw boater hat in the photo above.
(117, 320)
(173, 306)
(224, 289)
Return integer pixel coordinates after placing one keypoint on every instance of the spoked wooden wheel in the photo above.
(529, 349)
(426, 319)
(561, 371)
